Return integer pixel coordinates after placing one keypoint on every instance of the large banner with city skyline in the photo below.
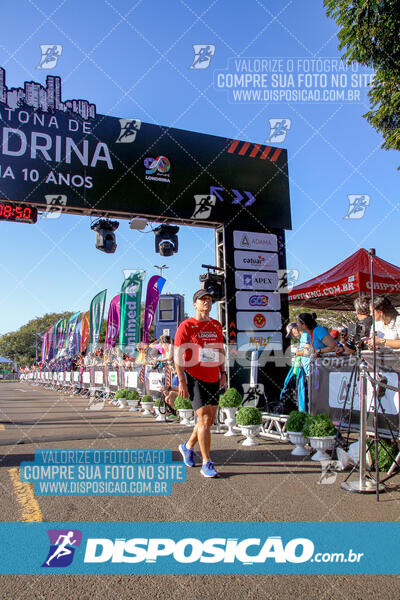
(56, 152)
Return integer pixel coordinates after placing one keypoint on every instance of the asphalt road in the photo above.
(263, 483)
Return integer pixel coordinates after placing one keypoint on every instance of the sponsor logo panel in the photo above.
(258, 301)
(259, 320)
(256, 281)
(259, 340)
(255, 241)
(255, 260)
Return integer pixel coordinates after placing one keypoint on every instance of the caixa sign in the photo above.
(255, 301)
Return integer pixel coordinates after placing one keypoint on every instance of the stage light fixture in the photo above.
(166, 240)
(105, 237)
(213, 282)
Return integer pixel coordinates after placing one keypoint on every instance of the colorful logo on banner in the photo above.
(154, 289)
(96, 318)
(63, 543)
(112, 323)
(129, 312)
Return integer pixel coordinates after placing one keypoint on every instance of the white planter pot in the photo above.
(160, 415)
(298, 439)
(230, 421)
(321, 444)
(251, 432)
(133, 405)
(147, 407)
(185, 414)
(122, 403)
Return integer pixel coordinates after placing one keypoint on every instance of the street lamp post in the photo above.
(161, 268)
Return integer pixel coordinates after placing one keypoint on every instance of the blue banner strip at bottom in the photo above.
(206, 548)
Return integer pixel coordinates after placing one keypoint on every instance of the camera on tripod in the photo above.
(357, 332)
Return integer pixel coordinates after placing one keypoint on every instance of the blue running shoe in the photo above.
(208, 470)
(187, 454)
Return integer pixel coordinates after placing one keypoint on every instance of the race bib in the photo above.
(208, 355)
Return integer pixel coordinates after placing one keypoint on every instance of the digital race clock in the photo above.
(17, 213)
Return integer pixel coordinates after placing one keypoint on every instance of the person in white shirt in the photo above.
(387, 324)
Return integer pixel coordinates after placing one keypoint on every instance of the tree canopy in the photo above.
(370, 34)
(20, 345)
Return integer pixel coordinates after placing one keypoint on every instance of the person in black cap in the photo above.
(200, 364)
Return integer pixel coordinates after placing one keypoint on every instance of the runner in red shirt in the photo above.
(200, 365)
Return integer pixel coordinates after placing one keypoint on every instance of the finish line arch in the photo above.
(62, 153)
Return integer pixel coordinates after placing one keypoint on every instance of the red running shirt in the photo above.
(202, 340)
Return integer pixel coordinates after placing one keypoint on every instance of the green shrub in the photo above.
(384, 461)
(146, 398)
(132, 395)
(121, 393)
(231, 399)
(248, 415)
(182, 403)
(318, 426)
(296, 421)
(159, 401)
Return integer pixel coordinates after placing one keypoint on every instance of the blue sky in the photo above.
(132, 59)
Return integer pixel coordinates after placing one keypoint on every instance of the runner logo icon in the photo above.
(63, 543)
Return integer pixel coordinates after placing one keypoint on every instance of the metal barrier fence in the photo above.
(102, 380)
(9, 377)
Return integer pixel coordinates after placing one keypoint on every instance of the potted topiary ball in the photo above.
(294, 429)
(147, 402)
(132, 398)
(184, 408)
(249, 419)
(322, 433)
(229, 403)
(120, 397)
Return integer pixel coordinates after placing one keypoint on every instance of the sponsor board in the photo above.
(76, 376)
(259, 320)
(249, 240)
(156, 381)
(131, 379)
(98, 377)
(259, 340)
(255, 260)
(338, 383)
(258, 301)
(256, 281)
(86, 377)
(113, 378)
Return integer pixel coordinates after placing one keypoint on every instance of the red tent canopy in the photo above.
(337, 288)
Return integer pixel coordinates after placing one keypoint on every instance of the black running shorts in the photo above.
(202, 393)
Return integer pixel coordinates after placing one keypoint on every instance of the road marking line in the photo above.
(29, 507)
(20, 390)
